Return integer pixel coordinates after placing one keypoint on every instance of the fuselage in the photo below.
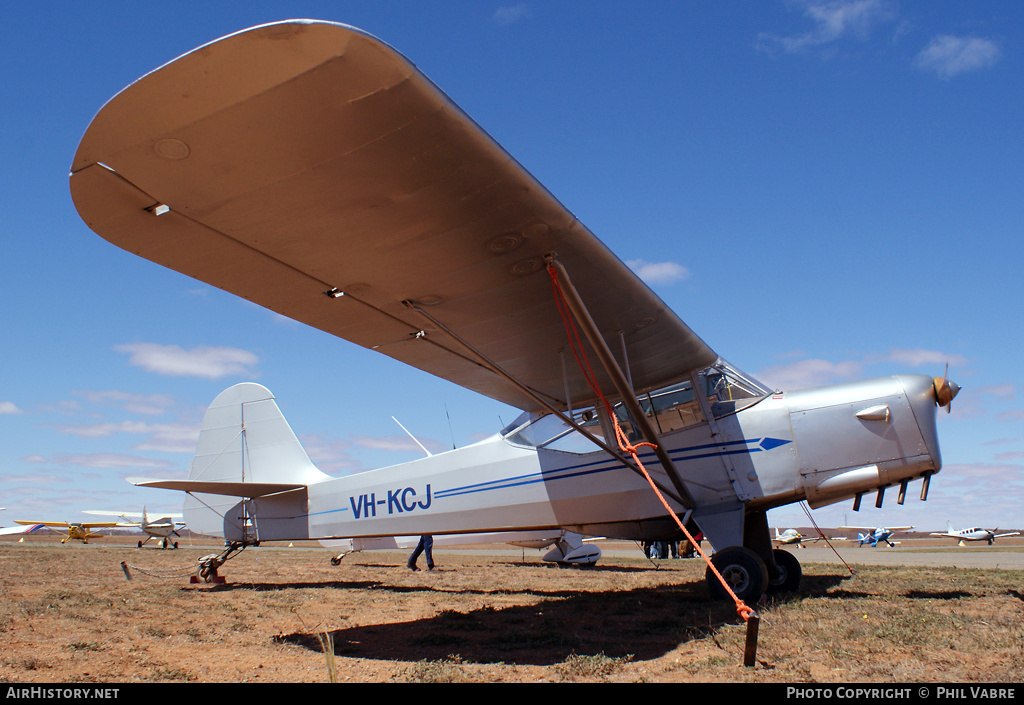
(821, 445)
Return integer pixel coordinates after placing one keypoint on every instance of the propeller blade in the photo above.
(945, 391)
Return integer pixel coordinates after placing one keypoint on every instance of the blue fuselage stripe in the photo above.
(599, 466)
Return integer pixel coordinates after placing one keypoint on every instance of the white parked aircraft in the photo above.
(877, 534)
(972, 534)
(309, 167)
(792, 537)
(568, 548)
(163, 528)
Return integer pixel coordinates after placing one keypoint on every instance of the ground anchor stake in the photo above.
(750, 652)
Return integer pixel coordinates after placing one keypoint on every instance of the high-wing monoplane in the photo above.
(973, 534)
(876, 534)
(72, 531)
(310, 168)
(162, 529)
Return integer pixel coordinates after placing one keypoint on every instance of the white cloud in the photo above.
(815, 372)
(166, 438)
(201, 361)
(9, 407)
(658, 272)
(833, 20)
(809, 373)
(149, 404)
(950, 56)
(510, 14)
(105, 461)
(918, 358)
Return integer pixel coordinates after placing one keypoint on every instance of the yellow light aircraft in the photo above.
(77, 531)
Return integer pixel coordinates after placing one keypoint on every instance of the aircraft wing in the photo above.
(9, 530)
(300, 158)
(130, 515)
(872, 528)
(84, 525)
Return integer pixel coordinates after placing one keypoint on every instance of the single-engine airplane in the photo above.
(161, 529)
(791, 537)
(972, 534)
(567, 548)
(310, 168)
(77, 531)
(877, 534)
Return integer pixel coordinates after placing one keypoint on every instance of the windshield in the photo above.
(729, 390)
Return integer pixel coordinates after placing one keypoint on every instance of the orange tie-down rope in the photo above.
(624, 445)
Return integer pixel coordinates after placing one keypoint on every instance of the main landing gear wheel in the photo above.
(789, 573)
(744, 572)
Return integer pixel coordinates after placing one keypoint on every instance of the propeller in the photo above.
(945, 390)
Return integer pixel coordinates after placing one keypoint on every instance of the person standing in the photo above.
(425, 546)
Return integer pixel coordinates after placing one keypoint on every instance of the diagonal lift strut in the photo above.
(622, 386)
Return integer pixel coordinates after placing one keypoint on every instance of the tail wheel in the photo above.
(743, 571)
(788, 572)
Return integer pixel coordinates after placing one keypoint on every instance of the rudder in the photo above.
(244, 438)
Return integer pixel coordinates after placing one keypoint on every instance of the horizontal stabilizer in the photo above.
(234, 489)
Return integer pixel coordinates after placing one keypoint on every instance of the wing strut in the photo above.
(625, 390)
(685, 499)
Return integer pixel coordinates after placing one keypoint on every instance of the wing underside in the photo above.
(301, 158)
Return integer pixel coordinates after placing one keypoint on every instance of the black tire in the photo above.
(743, 570)
(789, 573)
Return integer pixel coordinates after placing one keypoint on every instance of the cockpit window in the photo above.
(669, 409)
(551, 432)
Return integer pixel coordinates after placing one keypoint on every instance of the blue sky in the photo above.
(824, 191)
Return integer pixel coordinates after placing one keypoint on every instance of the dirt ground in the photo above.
(70, 614)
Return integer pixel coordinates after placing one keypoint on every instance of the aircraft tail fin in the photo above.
(246, 449)
(245, 438)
